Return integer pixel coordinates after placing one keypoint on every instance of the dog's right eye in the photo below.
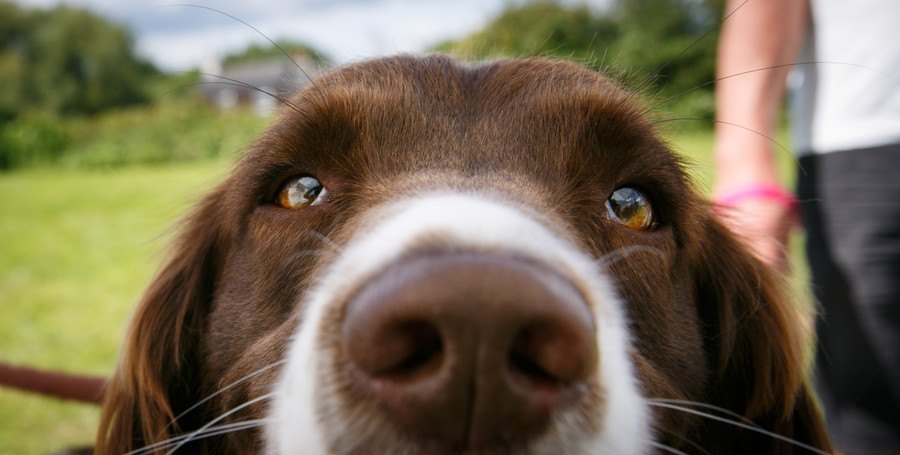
(300, 191)
(631, 207)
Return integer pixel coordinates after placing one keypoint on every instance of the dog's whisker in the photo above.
(698, 404)
(226, 388)
(222, 80)
(622, 253)
(752, 71)
(742, 425)
(735, 125)
(681, 438)
(258, 31)
(219, 418)
(696, 41)
(666, 448)
(210, 432)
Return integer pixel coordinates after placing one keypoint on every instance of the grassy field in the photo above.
(76, 249)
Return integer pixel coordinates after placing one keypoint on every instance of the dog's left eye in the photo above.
(300, 191)
(632, 208)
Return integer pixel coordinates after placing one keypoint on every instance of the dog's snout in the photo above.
(469, 349)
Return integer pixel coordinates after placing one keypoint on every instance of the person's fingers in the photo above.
(764, 227)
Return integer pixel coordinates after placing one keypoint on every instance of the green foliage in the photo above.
(660, 39)
(169, 131)
(258, 52)
(653, 46)
(74, 93)
(30, 140)
(66, 61)
(538, 28)
(179, 129)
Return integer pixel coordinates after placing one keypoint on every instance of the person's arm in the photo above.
(761, 34)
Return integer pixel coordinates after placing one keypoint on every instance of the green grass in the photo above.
(76, 249)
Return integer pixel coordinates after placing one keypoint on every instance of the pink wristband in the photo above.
(771, 192)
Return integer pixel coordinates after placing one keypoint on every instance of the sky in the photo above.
(184, 37)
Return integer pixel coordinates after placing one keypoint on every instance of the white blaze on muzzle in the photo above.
(464, 223)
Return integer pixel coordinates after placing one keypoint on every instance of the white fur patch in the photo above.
(468, 223)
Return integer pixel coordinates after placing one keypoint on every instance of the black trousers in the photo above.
(850, 203)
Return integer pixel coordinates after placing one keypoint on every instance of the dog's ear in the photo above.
(761, 342)
(155, 378)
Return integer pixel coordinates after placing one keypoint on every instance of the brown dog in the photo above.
(423, 256)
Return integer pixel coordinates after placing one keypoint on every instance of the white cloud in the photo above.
(178, 37)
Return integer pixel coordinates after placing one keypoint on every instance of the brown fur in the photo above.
(709, 323)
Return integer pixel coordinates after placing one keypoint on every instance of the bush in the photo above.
(173, 130)
(30, 140)
(182, 130)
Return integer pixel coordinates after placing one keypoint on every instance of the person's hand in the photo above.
(762, 217)
(749, 198)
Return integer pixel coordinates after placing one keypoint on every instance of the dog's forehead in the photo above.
(407, 91)
(535, 117)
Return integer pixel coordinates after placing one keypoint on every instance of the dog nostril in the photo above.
(525, 365)
(390, 344)
(407, 350)
(547, 355)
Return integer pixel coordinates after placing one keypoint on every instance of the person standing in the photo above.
(846, 129)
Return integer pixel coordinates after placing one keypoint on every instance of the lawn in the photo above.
(76, 249)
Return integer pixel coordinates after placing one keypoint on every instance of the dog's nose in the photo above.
(470, 350)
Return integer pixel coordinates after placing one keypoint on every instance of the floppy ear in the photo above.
(155, 379)
(761, 342)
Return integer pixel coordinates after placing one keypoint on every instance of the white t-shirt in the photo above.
(850, 98)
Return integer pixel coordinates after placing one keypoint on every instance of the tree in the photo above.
(541, 28)
(646, 44)
(14, 25)
(661, 39)
(66, 61)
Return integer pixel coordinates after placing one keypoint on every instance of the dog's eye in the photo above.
(630, 207)
(300, 191)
